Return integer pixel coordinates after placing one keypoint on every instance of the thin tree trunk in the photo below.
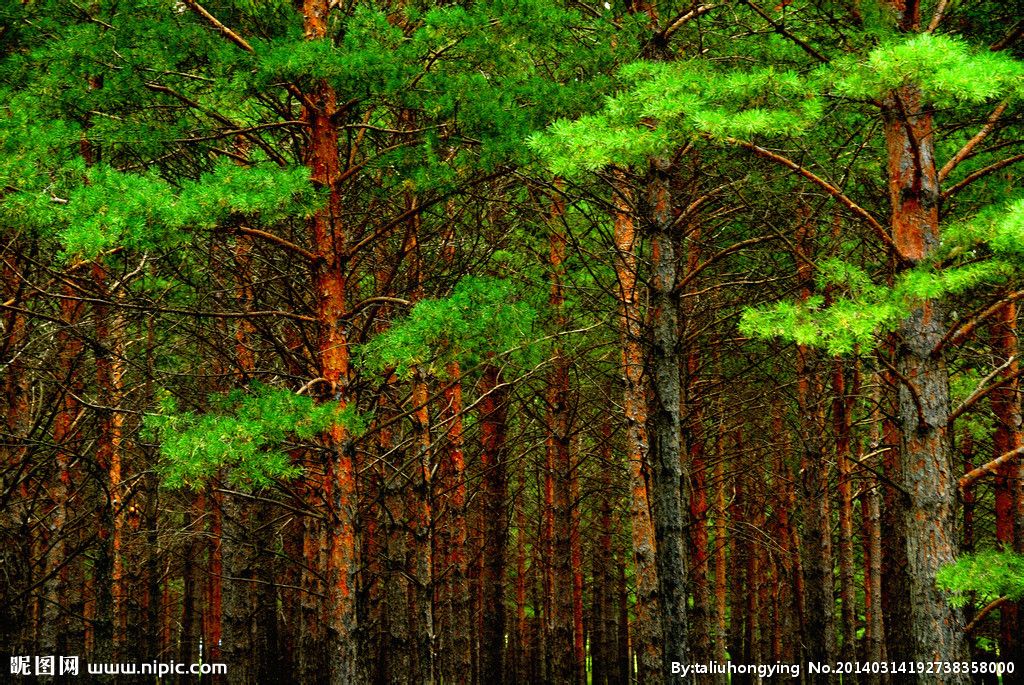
(647, 633)
(694, 443)
(1007, 437)
(330, 282)
(871, 539)
(842, 420)
(895, 583)
(602, 633)
(58, 590)
(558, 471)
(819, 636)
(493, 416)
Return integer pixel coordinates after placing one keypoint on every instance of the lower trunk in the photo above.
(936, 627)
(895, 584)
(494, 412)
(1007, 437)
(842, 407)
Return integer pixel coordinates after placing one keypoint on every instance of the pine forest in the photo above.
(506, 342)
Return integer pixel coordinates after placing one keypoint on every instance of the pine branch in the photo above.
(988, 609)
(982, 392)
(968, 148)
(940, 10)
(832, 190)
(1016, 32)
(278, 240)
(683, 17)
(244, 45)
(981, 173)
(782, 31)
(957, 335)
(971, 477)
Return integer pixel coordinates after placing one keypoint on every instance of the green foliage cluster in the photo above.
(947, 70)
(482, 317)
(986, 575)
(982, 251)
(665, 104)
(143, 211)
(244, 434)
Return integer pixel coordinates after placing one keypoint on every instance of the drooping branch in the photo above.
(684, 17)
(216, 23)
(243, 44)
(940, 10)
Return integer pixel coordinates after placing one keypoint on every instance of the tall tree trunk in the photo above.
(108, 569)
(895, 583)
(558, 471)
(664, 421)
(330, 281)
(842, 421)
(694, 443)
(493, 417)
(421, 497)
(58, 589)
(603, 625)
(647, 633)
(721, 542)
(871, 539)
(1005, 402)
(936, 628)
(819, 635)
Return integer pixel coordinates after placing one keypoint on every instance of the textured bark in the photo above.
(239, 563)
(519, 641)
(625, 656)
(871, 539)
(646, 636)
(895, 583)
(493, 415)
(788, 612)
(923, 404)
(739, 567)
(14, 457)
(214, 616)
(421, 495)
(665, 456)
(576, 548)
(453, 536)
